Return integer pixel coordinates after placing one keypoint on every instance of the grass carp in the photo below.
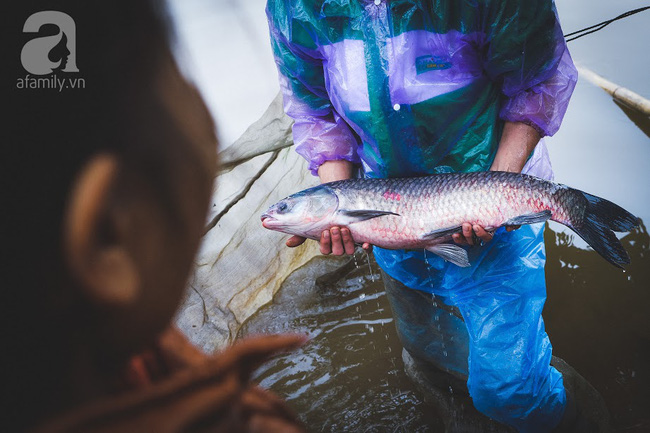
(424, 212)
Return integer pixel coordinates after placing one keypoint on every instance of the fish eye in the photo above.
(282, 207)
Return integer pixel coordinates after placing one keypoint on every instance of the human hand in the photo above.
(170, 353)
(471, 233)
(336, 240)
(214, 391)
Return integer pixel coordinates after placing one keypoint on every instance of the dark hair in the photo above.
(121, 49)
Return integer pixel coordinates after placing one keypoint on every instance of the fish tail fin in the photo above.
(610, 214)
(601, 219)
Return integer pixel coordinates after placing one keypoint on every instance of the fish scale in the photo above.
(424, 212)
(441, 202)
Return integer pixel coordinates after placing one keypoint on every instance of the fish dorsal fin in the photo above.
(439, 233)
(354, 216)
(452, 253)
(531, 218)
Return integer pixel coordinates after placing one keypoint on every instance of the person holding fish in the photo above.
(408, 88)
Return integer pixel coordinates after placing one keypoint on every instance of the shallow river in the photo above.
(350, 376)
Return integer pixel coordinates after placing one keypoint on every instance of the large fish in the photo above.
(424, 212)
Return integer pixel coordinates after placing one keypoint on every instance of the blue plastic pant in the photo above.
(500, 343)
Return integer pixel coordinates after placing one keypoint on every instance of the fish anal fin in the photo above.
(354, 216)
(439, 233)
(452, 253)
(532, 218)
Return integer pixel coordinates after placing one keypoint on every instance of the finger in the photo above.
(256, 399)
(348, 242)
(268, 345)
(155, 364)
(459, 239)
(366, 246)
(325, 243)
(482, 234)
(136, 375)
(176, 350)
(189, 406)
(337, 243)
(468, 233)
(294, 241)
(260, 422)
(252, 352)
(512, 228)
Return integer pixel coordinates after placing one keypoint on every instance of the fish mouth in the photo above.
(267, 220)
(271, 223)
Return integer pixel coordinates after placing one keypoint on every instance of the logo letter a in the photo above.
(34, 55)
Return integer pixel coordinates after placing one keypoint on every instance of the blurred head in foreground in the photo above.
(108, 185)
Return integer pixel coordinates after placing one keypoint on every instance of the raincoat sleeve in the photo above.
(527, 55)
(319, 133)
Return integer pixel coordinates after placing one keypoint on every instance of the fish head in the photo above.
(306, 213)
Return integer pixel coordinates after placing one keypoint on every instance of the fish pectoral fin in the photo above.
(531, 218)
(452, 253)
(354, 216)
(439, 233)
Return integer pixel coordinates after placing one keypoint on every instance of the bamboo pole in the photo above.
(621, 94)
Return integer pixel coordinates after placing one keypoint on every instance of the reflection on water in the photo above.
(350, 376)
(597, 317)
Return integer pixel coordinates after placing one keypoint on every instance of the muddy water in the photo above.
(350, 377)
(598, 321)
